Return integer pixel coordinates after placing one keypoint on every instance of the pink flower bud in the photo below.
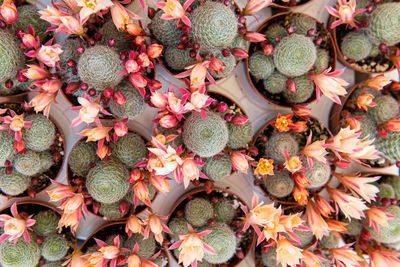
(108, 93)
(228, 117)
(9, 11)
(154, 50)
(168, 121)
(72, 87)
(254, 37)
(137, 80)
(268, 49)
(240, 53)
(132, 66)
(222, 107)
(239, 161)
(119, 98)
(154, 85)
(291, 85)
(240, 120)
(158, 100)
(120, 129)
(301, 110)
(123, 206)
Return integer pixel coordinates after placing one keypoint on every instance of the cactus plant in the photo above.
(322, 61)
(240, 42)
(223, 240)
(331, 241)
(384, 24)
(239, 136)
(279, 142)
(100, 67)
(275, 83)
(368, 126)
(304, 90)
(165, 31)
(109, 31)
(14, 183)
(41, 135)
(133, 105)
(70, 52)
(217, 169)
(295, 55)
(386, 191)
(19, 254)
(28, 15)
(275, 31)
(260, 65)
(46, 161)
(106, 182)
(387, 108)
(356, 45)
(305, 237)
(12, 56)
(147, 246)
(389, 145)
(28, 163)
(46, 223)
(198, 211)
(390, 234)
(353, 227)
(54, 247)
(205, 137)
(318, 175)
(269, 258)
(7, 151)
(230, 63)
(280, 184)
(178, 226)
(224, 211)
(177, 59)
(394, 181)
(302, 23)
(129, 149)
(111, 211)
(81, 157)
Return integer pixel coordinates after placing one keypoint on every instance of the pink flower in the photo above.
(105, 254)
(73, 208)
(350, 206)
(168, 121)
(377, 217)
(382, 257)
(240, 120)
(36, 72)
(159, 183)
(315, 150)
(158, 100)
(378, 82)
(198, 73)
(120, 129)
(88, 111)
(240, 161)
(121, 16)
(239, 53)
(329, 85)
(323, 206)
(52, 15)
(141, 192)
(345, 256)
(345, 12)
(292, 164)
(360, 185)
(15, 226)
(135, 261)
(70, 25)
(49, 55)
(318, 225)
(8, 12)
(217, 65)
(155, 226)
(254, 37)
(42, 102)
(301, 110)
(300, 194)
(168, 157)
(253, 6)
(154, 50)
(190, 171)
(60, 192)
(16, 124)
(392, 125)
(133, 225)
(75, 259)
(96, 134)
(30, 41)
(174, 10)
(287, 254)
(91, 7)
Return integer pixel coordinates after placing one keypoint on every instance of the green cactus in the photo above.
(46, 223)
(384, 24)
(178, 226)
(14, 183)
(111, 211)
(368, 126)
(7, 150)
(386, 190)
(147, 246)
(107, 182)
(394, 181)
(165, 31)
(275, 30)
(19, 254)
(224, 211)
(356, 45)
(161, 261)
(389, 146)
(55, 247)
(214, 26)
(41, 135)
(53, 264)
(100, 67)
(223, 240)
(387, 108)
(205, 137)
(81, 157)
(269, 258)
(177, 59)
(46, 161)
(331, 241)
(109, 31)
(28, 15)
(361, 4)
(280, 184)
(390, 234)
(323, 60)
(18, 87)
(277, 143)
(70, 46)
(275, 83)
(217, 169)
(260, 65)
(239, 136)
(230, 63)
(11, 56)
(295, 55)
(318, 175)
(240, 42)
(133, 105)
(28, 163)
(364, 90)
(305, 237)
(304, 90)
(374, 51)
(302, 23)
(130, 149)
(353, 227)
(198, 211)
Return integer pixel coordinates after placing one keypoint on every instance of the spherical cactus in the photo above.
(165, 31)
(356, 45)
(304, 90)
(217, 169)
(364, 90)
(305, 237)
(384, 24)
(279, 142)
(70, 52)
(19, 254)
(390, 234)
(106, 182)
(230, 63)
(387, 108)
(198, 211)
(54, 247)
(11, 55)
(4, 91)
(109, 31)
(354, 227)
(280, 184)
(386, 191)
(81, 157)
(239, 136)
(318, 175)
(28, 15)
(177, 59)
(224, 211)
(260, 65)
(46, 223)
(28, 163)
(394, 181)
(147, 246)
(129, 149)
(331, 241)
(205, 137)
(269, 258)
(295, 55)
(322, 61)
(41, 135)
(111, 211)
(7, 150)
(389, 146)
(374, 51)
(223, 240)
(361, 4)
(178, 226)
(302, 23)
(275, 83)
(14, 183)
(46, 161)
(133, 105)
(368, 126)
(53, 264)
(214, 26)
(100, 67)
(240, 42)
(274, 31)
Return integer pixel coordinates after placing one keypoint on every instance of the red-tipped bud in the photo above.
(96, 207)
(151, 12)
(92, 92)
(111, 42)
(291, 85)
(208, 187)
(311, 32)
(222, 107)
(240, 120)
(268, 49)
(119, 98)
(123, 206)
(72, 88)
(80, 50)
(34, 181)
(84, 86)
(240, 53)
(228, 117)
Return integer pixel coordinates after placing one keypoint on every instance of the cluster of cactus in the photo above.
(133, 105)
(129, 149)
(11, 56)
(28, 15)
(218, 167)
(277, 143)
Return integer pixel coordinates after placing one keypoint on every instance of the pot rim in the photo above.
(290, 7)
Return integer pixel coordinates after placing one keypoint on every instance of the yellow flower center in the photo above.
(90, 3)
(169, 7)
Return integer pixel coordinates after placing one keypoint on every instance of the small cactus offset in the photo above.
(275, 31)
(14, 183)
(368, 126)
(386, 191)
(19, 254)
(384, 24)
(178, 226)
(46, 161)
(198, 211)
(81, 157)
(322, 61)
(217, 169)
(239, 136)
(318, 175)
(111, 211)
(27, 164)
(41, 135)
(46, 223)
(70, 52)
(109, 31)
(304, 90)
(331, 241)
(54, 247)
(224, 211)
(280, 184)
(11, 56)
(356, 46)
(223, 240)
(302, 23)
(133, 105)
(147, 247)
(279, 142)
(387, 108)
(165, 31)
(275, 83)
(389, 145)
(130, 149)
(260, 65)
(177, 59)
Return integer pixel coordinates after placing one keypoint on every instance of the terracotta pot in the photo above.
(18, 97)
(283, 6)
(283, 201)
(217, 191)
(254, 84)
(62, 137)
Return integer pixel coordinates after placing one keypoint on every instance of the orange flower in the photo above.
(365, 100)
(378, 82)
(155, 226)
(351, 207)
(239, 161)
(159, 183)
(69, 220)
(323, 206)
(293, 164)
(283, 123)
(190, 171)
(73, 204)
(299, 126)
(345, 256)
(337, 226)
(393, 125)
(310, 259)
(378, 217)
(121, 16)
(133, 225)
(318, 225)
(354, 124)
(264, 167)
(8, 12)
(60, 193)
(300, 194)
(75, 259)
(91, 7)
(154, 50)
(96, 134)
(287, 254)
(361, 185)
(384, 257)
(141, 192)
(70, 25)
(301, 179)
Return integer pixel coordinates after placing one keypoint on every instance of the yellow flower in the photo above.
(293, 164)
(265, 167)
(282, 123)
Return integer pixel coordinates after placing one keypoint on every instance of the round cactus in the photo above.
(390, 234)
(280, 184)
(364, 90)
(354, 227)
(295, 55)
(394, 181)
(387, 108)
(304, 90)
(389, 146)
(177, 59)
(147, 246)
(41, 135)
(7, 150)
(384, 24)
(322, 61)
(356, 45)
(100, 67)
(318, 175)
(11, 56)
(269, 258)
(46, 223)
(53, 264)
(230, 63)
(70, 52)
(368, 126)
(205, 137)
(217, 169)
(198, 211)
(224, 211)
(28, 15)
(111, 211)
(260, 65)
(46, 161)
(109, 31)
(28, 163)
(302, 23)
(239, 136)
(81, 157)
(54, 247)
(305, 237)
(129, 149)
(14, 183)
(223, 240)
(165, 31)
(214, 26)
(386, 191)
(240, 42)
(361, 4)
(275, 83)
(277, 143)
(274, 31)
(19, 254)
(133, 105)
(178, 226)
(331, 241)
(106, 182)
